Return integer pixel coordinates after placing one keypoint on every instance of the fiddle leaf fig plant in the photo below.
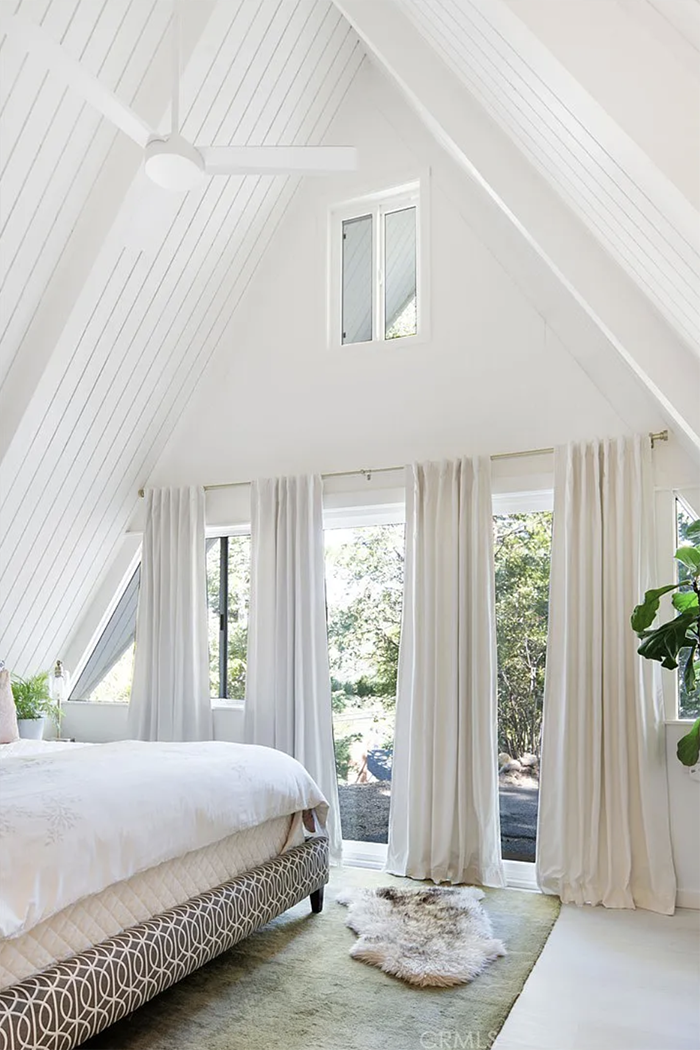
(677, 640)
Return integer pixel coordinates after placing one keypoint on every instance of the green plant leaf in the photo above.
(690, 670)
(689, 556)
(33, 698)
(692, 531)
(666, 641)
(644, 613)
(688, 749)
(684, 601)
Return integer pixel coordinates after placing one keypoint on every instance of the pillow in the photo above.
(8, 714)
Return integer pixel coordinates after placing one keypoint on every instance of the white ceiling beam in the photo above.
(665, 365)
(97, 217)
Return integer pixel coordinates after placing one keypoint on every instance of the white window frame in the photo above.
(217, 532)
(413, 194)
(666, 568)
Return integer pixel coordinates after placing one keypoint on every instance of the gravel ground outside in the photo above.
(364, 811)
(364, 815)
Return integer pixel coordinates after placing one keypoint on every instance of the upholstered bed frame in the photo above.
(67, 1003)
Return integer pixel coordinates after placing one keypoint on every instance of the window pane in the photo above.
(115, 686)
(364, 587)
(357, 280)
(106, 677)
(522, 546)
(238, 605)
(214, 610)
(688, 699)
(400, 305)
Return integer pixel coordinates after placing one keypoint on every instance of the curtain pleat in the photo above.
(288, 688)
(603, 832)
(444, 822)
(170, 693)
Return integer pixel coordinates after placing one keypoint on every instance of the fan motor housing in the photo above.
(174, 163)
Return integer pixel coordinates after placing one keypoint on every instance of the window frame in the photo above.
(413, 194)
(666, 546)
(224, 534)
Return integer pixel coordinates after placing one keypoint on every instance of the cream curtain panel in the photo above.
(603, 835)
(170, 693)
(288, 687)
(444, 822)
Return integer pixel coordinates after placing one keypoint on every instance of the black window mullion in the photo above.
(223, 618)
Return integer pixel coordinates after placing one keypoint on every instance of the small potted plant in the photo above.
(34, 704)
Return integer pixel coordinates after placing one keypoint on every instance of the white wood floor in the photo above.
(611, 980)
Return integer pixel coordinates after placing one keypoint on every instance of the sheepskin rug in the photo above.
(431, 937)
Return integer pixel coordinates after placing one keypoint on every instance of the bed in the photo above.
(126, 866)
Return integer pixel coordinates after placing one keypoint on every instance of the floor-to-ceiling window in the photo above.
(688, 694)
(364, 590)
(522, 549)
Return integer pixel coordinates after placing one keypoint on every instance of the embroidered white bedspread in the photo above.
(75, 820)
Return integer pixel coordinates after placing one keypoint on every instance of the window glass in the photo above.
(107, 675)
(228, 592)
(688, 699)
(522, 552)
(400, 299)
(357, 280)
(115, 686)
(364, 587)
(238, 608)
(214, 611)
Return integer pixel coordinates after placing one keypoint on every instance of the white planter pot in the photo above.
(31, 728)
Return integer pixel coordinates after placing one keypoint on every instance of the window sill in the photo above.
(218, 704)
(679, 721)
(399, 343)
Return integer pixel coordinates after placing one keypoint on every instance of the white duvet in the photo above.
(75, 820)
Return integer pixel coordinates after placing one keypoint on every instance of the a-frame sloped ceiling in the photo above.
(638, 214)
(121, 346)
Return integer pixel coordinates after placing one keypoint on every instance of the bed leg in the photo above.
(317, 900)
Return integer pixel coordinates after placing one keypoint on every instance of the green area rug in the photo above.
(293, 985)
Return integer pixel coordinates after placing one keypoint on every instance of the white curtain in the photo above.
(170, 693)
(444, 822)
(603, 834)
(288, 688)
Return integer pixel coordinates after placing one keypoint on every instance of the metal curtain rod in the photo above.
(662, 435)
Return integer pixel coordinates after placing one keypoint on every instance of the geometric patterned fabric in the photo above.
(67, 1003)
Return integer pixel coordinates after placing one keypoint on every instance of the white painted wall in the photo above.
(100, 723)
(684, 802)
(508, 365)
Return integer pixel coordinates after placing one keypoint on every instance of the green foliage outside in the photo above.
(33, 698)
(522, 552)
(238, 610)
(342, 753)
(688, 697)
(364, 572)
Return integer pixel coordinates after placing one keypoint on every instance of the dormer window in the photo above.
(377, 269)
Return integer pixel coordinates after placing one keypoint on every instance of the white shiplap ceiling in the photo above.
(163, 280)
(636, 213)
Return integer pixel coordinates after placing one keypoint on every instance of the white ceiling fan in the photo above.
(170, 160)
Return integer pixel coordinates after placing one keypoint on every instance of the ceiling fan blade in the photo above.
(278, 160)
(37, 41)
